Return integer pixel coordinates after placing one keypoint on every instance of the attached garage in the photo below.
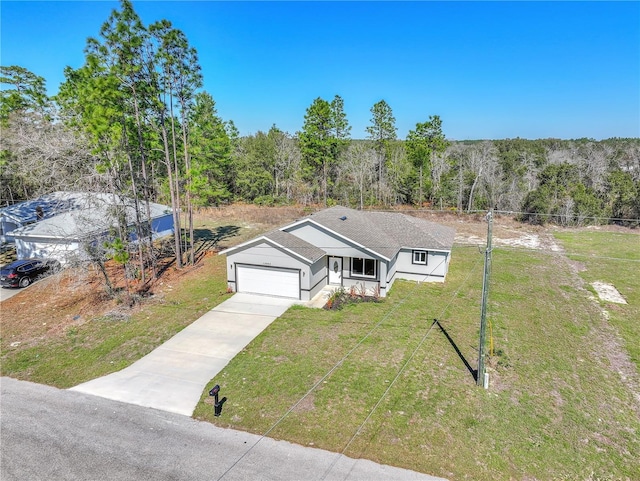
(268, 280)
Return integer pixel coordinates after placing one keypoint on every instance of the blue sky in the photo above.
(488, 69)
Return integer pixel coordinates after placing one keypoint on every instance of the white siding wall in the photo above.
(369, 285)
(65, 252)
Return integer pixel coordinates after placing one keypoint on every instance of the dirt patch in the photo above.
(58, 304)
(507, 232)
(610, 344)
(306, 404)
(608, 292)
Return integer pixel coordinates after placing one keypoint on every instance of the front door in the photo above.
(335, 270)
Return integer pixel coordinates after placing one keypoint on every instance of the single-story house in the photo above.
(340, 247)
(65, 235)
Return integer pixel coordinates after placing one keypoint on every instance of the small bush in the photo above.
(356, 294)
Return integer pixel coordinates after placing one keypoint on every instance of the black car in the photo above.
(24, 272)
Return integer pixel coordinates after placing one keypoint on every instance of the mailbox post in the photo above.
(217, 405)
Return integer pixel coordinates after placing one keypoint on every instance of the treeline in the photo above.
(134, 120)
(563, 181)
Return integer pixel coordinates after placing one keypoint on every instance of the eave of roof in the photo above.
(295, 246)
(81, 223)
(381, 233)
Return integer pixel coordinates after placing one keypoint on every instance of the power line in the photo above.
(512, 212)
(502, 212)
(455, 294)
(564, 253)
(399, 373)
(334, 368)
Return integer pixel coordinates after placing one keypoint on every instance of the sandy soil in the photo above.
(608, 292)
(58, 303)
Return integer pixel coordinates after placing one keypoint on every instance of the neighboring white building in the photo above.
(30, 211)
(342, 247)
(83, 218)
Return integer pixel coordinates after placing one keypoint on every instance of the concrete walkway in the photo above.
(172, 377)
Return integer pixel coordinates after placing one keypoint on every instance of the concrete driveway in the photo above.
(8, 293)
(171, 378)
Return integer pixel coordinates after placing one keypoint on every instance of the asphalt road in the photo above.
(52, 434)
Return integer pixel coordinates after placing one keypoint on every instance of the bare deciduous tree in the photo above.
(358, 166)
(43, 156)
(287, 164)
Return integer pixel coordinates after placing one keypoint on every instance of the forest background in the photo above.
(135, 121)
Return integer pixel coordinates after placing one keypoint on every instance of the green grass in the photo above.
(104, 345)
(613, 258)
(555, 409)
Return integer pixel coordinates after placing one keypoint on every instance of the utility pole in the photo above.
(480, 381)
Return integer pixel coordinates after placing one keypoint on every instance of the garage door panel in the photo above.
(269, 281)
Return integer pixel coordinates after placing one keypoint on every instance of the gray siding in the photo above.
(330, 243)
(436, 267)
(264, 254)
(318, 275)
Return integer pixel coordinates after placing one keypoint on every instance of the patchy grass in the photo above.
(70, 353)
(64, 331)
(556, 408)
(613, 258)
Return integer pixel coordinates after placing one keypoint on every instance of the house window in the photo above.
(363, 267)
(420, 257)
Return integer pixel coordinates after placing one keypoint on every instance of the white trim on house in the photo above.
(445, 251)
(343, 237)
(420, 256)
(364, 268)
(270, 281)
(233, 249)
(308, 244)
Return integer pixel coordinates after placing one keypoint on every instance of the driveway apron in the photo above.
(172, 377)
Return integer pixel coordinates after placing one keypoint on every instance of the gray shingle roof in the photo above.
(295, 244)
(385, 232)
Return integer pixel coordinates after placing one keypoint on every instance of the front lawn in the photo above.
(556, 409)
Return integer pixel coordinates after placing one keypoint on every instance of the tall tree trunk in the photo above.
(473, 187)
(176, 177)
(145, 186)
(460, 189)
(420, 188)
(187, 168)
(135, 198)
(176, 212)
(324, 180)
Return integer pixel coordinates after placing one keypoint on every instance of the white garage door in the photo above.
(269, 281)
